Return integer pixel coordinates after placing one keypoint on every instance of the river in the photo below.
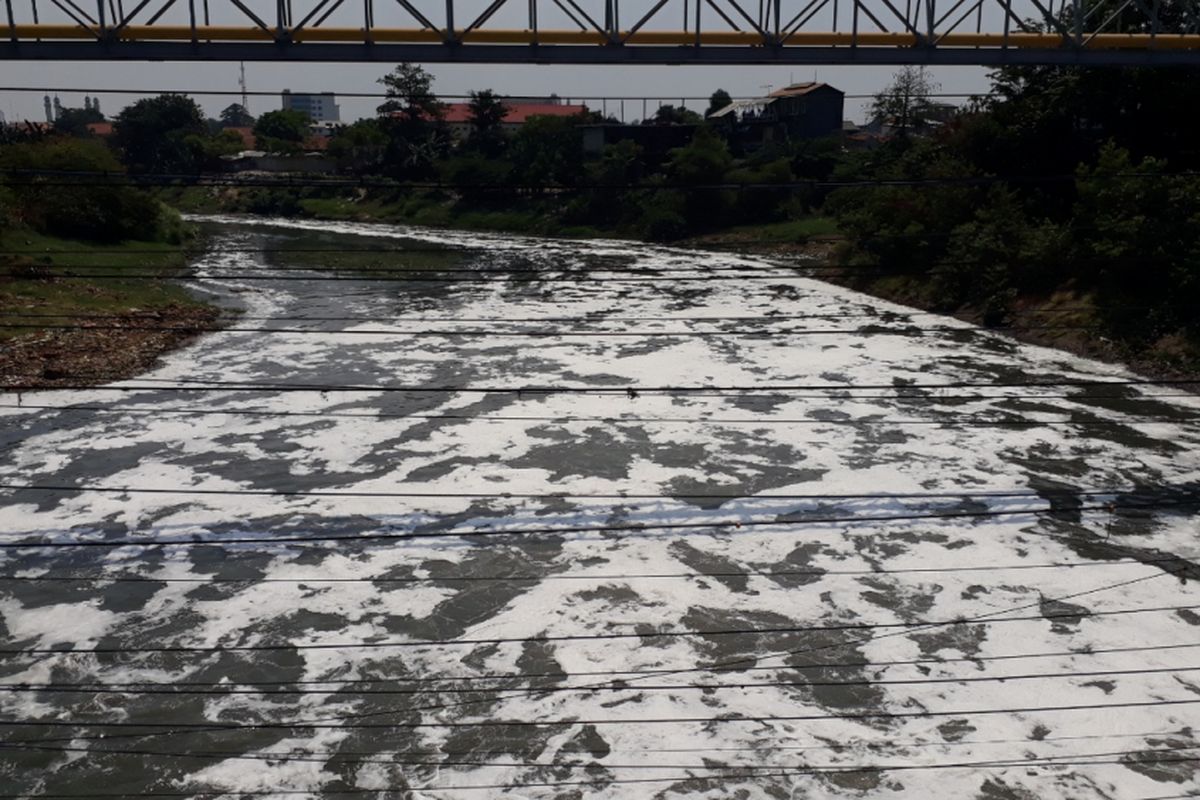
(768, 538)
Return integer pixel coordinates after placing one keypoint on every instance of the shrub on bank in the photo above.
(48, 198)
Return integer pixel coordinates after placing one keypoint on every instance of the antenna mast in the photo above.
(242, 83)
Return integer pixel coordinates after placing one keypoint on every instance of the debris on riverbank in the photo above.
(77, 312)
(100, 349)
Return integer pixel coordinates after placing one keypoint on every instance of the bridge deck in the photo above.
(870, 31)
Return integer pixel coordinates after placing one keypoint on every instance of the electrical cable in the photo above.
(384, 94)
(734, 663)
(414, 534)
(569, 637)
(421, 680)
(231, 689)
(742, 770)
(552, 723)
(185, 385)
(884, 315)
(107, 179)
(955, 421)
(962, 496)
(584, 577)
(868, 330)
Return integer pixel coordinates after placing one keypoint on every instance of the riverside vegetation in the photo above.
(63, 250)
(1065, 202)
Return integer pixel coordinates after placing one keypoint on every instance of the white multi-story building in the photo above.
(319, 107)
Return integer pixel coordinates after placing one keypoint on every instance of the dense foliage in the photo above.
(92, 210)
(1062, 179)
(161, 134)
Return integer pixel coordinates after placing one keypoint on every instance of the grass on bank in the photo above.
(789, 231)
(33, 279)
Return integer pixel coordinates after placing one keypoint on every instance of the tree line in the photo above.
(1057, 179)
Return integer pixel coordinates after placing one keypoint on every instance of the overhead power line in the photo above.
(90, 178)
(574, 637)
(233, 689)
(603, 782)
(640, 674)
(867, 330)
(551, 723)
(402, 757)
(1002, 494)
(970, 421)
(322, 274)
(414, 534)
(186, 385)
(600, 318)
(384, 94)
(727, 771)
(739, 662)
(584, 576)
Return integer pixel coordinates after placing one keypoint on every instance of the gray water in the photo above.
(363, 682)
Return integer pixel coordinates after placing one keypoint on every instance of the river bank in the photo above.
(83, 313)
(1065, 318)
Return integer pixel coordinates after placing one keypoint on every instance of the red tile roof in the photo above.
(249, 140)
(100, 128)
(518, 113)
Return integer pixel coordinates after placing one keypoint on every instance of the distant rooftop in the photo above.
(800, 89)
(518, 113)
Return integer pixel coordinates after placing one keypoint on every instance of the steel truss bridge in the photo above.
(980, 32)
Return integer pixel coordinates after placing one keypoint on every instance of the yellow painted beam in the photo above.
(229, 33)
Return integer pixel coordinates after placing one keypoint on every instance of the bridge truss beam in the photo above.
(772, 32)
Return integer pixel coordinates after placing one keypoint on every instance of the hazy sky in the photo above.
(663, 82)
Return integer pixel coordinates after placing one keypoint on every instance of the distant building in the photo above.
(457, 116)
(801, 111)
(319, 107)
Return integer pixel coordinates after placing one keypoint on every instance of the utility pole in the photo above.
(242, 84)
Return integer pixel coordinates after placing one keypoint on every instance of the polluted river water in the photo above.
(443, 514)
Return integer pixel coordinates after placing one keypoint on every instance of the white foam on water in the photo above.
(817, 455)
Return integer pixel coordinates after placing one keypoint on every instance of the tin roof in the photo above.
(799, 89)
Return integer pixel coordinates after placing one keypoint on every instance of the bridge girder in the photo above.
(1089, 32)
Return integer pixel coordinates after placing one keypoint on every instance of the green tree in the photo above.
(101, 210)
(282, 131)
(720, 98)
(674, 115)
(705, 161)
(75, 121)
(548, 150)
(211, 148)
(411, 117)
(906, 104)
(152, 134)
(487, 116)
(410, 96)
(1139, 242)
(359, 147)
(235, 115)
